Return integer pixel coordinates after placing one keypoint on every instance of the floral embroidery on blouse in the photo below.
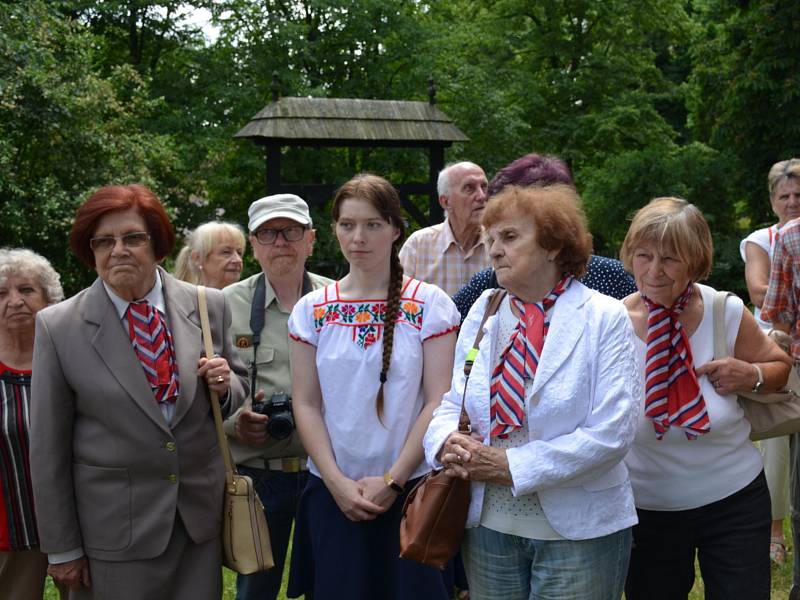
(365, 318)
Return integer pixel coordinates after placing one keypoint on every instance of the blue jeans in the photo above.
(507, 567)
(280, 493)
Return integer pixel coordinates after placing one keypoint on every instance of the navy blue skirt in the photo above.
(335, 558)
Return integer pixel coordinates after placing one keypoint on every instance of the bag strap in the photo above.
(258, 315)
(720, 333)
(209, 348)
(491, 308)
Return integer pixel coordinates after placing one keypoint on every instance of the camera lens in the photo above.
(280, 426)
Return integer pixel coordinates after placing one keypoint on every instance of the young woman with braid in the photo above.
(372, 355)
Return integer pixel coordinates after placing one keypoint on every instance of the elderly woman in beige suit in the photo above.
(127, 475)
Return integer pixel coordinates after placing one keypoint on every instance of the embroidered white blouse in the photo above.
(347, 335)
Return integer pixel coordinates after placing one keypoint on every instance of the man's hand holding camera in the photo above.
(262, 421)
(251, 427)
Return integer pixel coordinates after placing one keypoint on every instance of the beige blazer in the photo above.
(108, 472)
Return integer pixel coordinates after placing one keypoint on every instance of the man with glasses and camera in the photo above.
(263, 438)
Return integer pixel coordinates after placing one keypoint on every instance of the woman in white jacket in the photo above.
(553, 402)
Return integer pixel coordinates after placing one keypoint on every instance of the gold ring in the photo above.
(220, 379)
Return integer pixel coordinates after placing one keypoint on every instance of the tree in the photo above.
(745, 91)
(65, 131)
(694, 172)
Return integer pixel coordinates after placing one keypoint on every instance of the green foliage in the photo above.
(695, 172)
(745, 88)
(65, 130)
(642, 98)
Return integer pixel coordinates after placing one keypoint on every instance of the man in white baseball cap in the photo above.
(287, 206)
(263, 440)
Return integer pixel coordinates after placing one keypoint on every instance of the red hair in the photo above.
(114, 198)
(557, 214)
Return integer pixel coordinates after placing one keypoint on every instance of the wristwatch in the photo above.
(396, 487)
(760, 382)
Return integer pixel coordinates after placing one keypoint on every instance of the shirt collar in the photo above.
(448, 239)
(269, 296)
(155, 297)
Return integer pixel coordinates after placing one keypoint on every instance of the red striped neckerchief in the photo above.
(672, 392)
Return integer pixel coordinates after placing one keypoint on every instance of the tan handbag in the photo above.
(435, 511)
(772, 414)
(245, 536)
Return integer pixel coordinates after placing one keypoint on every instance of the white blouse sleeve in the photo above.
(760, 238)
(440, 316)
(302, 322)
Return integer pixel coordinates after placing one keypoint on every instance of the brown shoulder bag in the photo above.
(435, 511)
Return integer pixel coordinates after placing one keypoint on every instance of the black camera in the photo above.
(279, 410)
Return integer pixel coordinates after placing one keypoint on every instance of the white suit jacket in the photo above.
(581, 417)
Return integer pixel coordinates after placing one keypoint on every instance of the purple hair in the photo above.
(531, 169)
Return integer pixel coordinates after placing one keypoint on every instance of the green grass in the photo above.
(228, 586)
(781, 578)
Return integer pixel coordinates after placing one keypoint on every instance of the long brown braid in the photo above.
(381, 195)
(389, 320)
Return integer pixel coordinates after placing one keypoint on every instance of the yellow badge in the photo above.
(244, 341)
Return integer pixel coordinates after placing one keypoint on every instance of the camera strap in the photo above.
(258, 312)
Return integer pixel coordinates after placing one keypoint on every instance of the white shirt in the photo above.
(765, 239)
(679, 474)
(347, 335)
(520, 515)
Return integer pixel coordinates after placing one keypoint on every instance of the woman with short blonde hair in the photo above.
(698, 481)
(212, 255)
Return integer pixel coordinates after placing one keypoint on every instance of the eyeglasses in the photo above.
(106, 243)
(267, 237)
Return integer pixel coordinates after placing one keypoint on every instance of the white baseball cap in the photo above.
(289, 206)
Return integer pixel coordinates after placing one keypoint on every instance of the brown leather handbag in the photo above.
(435, 511)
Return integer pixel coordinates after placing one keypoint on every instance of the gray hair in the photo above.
(21, 262)
(781, 171)
(202, 241)
(443, 183)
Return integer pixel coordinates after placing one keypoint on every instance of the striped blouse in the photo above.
(17, 521)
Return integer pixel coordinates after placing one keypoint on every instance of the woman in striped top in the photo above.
(27, 284)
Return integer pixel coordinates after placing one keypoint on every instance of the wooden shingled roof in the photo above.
(342, 122)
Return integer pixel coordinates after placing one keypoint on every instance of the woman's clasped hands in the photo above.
(466, 456)
(362, 500)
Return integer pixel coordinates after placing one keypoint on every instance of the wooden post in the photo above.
(436, 164)
(273, 168)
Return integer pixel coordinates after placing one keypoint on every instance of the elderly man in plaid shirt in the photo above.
(782, 308)
(449, 253)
